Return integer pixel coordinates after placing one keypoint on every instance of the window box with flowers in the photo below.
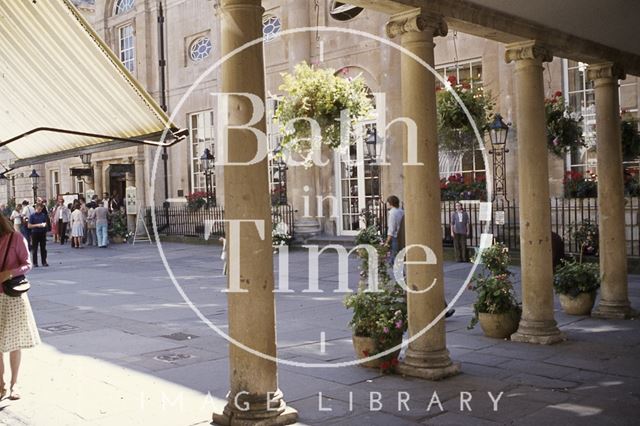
(197, 200)
(455, 188)
(577, 185)
(455, 131)
(320, 95)
(564, 131)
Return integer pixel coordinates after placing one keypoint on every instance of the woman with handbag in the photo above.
(17, 325)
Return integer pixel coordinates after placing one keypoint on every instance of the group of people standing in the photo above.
(81, 222)
(86, 223)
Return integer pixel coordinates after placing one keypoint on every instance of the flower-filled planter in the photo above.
(576, 283)
(564, 131)
(455, 131)
(319, 95)
(496, 307)
(379, 318)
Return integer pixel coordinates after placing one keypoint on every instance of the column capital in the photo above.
(608, 70)
(416, 20)
(530, 49)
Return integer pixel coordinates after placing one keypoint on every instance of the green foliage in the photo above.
(573, 278)
(51, 204)
(564, 131)
(371, 236)
(630, 138)
(494, 287)
(320, 95)
(118, 222)
(496, 259)
(586, 236)
(455, 131)
(10, 207)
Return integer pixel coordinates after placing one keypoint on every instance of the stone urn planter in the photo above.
(499, 326)
(579, 305)
(365, 347)
(117, 239)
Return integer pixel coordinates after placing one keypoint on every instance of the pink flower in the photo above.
(399, 324)
(556, 141)
(385, 330)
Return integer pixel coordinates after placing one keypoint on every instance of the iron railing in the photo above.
(182, 221)
(566, 213)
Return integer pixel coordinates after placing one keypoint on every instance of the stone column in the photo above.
(614, 294)
(301, 181)
(254, 397)
(537, 324)
(97, 178)
(140, 184)
(427, 357)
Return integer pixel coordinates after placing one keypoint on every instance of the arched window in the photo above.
(124, 6)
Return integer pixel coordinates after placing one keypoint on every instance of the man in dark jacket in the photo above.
(38, 226)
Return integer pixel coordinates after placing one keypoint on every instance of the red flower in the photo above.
(557, 94)
(365, 353)
(452, 79)
(385, 365)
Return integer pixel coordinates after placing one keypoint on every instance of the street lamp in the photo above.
(34, 181)
(498, 132)
(85, 158)
(207, 159)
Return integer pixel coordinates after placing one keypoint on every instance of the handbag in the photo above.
(15, 286)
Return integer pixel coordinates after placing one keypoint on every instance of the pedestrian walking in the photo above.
(77, 225)
(459, 232)
(17, 325)
(102, 225)
(38, 227)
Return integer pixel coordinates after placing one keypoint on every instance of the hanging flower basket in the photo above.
(320, 95)
(564, 131)
(455, 130)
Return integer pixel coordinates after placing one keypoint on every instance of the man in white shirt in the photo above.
(394, 226)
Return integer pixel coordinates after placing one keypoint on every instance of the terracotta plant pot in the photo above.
(499, 326)
(116, 239)
(579, 305)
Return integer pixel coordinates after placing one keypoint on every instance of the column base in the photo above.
(614, 310)
(538, 332)
(258, 412)
(428, 365)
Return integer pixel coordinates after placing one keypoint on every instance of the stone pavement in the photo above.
(122, 347)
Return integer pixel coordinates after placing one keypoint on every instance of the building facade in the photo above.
(171, 48)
